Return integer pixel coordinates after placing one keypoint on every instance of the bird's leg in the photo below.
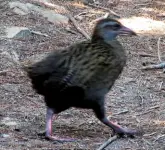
(49, 118)
(118, 129)
(100, 113)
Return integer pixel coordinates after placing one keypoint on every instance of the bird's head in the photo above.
(108, 29)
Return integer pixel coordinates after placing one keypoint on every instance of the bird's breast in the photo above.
(99, 66)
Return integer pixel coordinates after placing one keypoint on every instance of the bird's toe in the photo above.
(60, 140)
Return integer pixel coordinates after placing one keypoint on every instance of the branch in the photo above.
(78, 28)
(100, 18)
(106, 9)
(110, 140)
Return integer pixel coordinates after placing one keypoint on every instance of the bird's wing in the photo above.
(58, 80)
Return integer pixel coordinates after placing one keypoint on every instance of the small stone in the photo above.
(20, 6)
(23, 9)
(11, 87)
(4, 135)
(49, 14)
(19, 11)
(17, 32)
(55, 18)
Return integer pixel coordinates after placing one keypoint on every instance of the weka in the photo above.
(82, 74)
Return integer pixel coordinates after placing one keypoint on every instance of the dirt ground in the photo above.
(137, 100)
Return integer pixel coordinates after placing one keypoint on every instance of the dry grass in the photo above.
(136, 91)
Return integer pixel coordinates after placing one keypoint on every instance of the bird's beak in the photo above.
(126, 31)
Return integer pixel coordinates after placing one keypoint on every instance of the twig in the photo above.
(146, 112)
(143, 54)
(106, 9)
(110, 140)
(103, 17)
(38, 33)
(159, 136)
(121, 112)
(146, 55)
(149, 110)
(158, 66)
(160, 87)
(82, 13)
(159, 53)
(78, 28)
(146, 135)
(70, 31)
(154, 107)
(142, 4)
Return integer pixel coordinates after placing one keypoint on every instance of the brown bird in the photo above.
(81, 75)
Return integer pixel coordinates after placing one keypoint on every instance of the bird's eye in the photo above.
(113, 27)
(117, 26)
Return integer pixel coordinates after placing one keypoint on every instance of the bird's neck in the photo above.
(105, 36)
(98, 39)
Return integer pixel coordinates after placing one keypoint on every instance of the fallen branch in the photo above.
(78, 28)
(106, 9)
(110, 140)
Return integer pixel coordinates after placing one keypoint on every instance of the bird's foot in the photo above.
(58, 139)
(125, 132)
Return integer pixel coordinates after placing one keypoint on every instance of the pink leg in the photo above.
(120, 130)
(100, 113)
(49, 117)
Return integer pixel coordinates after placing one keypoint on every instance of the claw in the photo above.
(61, 140)
(122, 132)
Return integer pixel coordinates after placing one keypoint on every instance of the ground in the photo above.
(137, 100)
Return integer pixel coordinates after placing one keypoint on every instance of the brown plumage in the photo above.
(82, 74)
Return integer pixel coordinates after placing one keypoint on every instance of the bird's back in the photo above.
(86, 64)
(51, 66)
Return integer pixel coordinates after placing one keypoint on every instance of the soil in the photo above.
(137, 99)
